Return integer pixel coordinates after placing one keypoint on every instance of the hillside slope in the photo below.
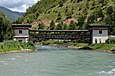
(12, 16)
(86, 11)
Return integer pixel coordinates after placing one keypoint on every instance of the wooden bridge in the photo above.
(97, 33)
(76, 35)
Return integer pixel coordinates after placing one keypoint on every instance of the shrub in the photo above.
(110, 41)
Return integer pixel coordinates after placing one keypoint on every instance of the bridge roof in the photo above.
(60, 30)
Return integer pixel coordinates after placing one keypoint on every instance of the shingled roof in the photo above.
(22, 25)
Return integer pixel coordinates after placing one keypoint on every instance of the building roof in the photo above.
(99, 25)
(22, 25)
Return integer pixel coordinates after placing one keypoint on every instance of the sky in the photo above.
(17, 5)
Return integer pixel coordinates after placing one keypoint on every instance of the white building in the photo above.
(99, 33)
(21, 32)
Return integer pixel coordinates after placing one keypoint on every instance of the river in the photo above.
(57, 61)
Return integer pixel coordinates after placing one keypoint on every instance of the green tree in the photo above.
(80, 23)
(72, 25)
(65, 27)
(5, 28)
(110, 18)
(59, 16)
(59, 26)
(52, 25)
(41, 26)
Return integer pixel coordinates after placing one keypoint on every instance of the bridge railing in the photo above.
(57, 36)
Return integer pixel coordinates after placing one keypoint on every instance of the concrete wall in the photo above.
(99, 38)
(22, 39)
(96, 33)
(24, 33)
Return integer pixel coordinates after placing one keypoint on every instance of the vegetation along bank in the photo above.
(103, 47)
(15, 46)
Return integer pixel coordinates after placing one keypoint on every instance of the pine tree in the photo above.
(41, 26)
(72, 25)
(65, 27)
(52, 25)
(59, 26)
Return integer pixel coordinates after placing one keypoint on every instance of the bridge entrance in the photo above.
(65, 35)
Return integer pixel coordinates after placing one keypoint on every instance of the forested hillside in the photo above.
(85, 11)
(12, 16)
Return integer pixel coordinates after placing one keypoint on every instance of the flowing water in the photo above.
(55, 61)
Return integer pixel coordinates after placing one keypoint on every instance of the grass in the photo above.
(9, 46)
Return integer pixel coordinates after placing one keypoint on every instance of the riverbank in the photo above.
(104, 47)
(18, 51)
(15, 47)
